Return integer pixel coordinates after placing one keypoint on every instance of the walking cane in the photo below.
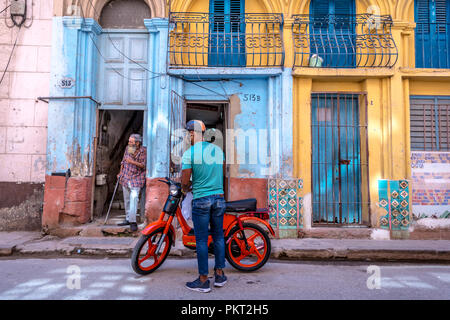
(112, 199)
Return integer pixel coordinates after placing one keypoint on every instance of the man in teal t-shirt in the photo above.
(204, 162)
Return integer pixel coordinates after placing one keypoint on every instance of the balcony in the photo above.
(219, 40)
(432, 45)
(343, 41)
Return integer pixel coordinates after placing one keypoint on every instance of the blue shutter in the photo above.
(441, 15)
(432, 34)
(423, 15)
(345, 11)
(236, 11)
(236, 7)
(423, 11)
(320, 7)
(218, 10)
(227, 41)
(344, 7)
(333, 32)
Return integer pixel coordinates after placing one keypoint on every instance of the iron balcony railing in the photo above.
(344, 41)
(226, 40)
(432, 45)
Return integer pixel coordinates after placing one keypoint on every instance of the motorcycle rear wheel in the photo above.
(256, 256)
(144, 259)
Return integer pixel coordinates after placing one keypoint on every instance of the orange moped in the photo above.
(247, 244)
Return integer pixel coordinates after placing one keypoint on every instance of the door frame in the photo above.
(226, 114)
(365, 177)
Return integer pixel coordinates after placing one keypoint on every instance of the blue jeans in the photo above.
(131, 200)
(205, 211)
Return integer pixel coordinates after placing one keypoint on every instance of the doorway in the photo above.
(114, 130)
(339, 159)
(214, 116)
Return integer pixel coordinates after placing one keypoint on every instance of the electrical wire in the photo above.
(158, 74)
(5, 9)
(196, 84)
(10, 56)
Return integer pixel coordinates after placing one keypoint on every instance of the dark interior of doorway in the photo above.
(213, 115)
(115, 127)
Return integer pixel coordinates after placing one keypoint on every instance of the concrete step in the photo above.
(336, 233)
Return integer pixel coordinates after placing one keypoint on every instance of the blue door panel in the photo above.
(336, 159)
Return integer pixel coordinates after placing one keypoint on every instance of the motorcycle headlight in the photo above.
(173, 190)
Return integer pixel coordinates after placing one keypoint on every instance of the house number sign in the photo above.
(251, 97)
(66, 83)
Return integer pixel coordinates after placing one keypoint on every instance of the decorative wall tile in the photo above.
(394, 198)
(286, 203)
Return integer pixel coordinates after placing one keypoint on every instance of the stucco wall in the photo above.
(23, 120)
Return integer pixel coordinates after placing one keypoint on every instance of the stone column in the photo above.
(157, 121)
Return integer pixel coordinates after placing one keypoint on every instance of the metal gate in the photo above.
(177, 145)
(339, 159)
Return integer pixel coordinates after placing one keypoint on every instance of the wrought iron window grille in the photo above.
(226, 40)
(344, 41)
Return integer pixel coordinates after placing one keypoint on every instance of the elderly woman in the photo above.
(132, 178)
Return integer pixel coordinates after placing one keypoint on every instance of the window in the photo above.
(430, 123)
(227, 36)
(332, 32)
(432, 33)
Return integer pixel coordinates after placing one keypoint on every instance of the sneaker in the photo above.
(199, 286)
(124, 223)
(133, 226)
(219, 281)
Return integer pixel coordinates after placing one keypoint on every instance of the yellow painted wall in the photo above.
(431, 87)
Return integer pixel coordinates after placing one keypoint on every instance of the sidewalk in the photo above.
(32, 244)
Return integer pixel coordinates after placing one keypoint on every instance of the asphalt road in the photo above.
(92, 279)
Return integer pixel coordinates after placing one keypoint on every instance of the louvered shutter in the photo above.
(423, 11)
(343, 9)
(235, 14)
(429, 126)
(441, 14)
(218, 11)
(423, 15)
(320, 9)
(421, 124)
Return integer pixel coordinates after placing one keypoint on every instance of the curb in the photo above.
(74, 249)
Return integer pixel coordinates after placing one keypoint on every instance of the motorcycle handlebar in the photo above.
(167, 181)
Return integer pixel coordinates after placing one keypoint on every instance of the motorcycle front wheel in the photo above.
(249, 258)
(144, 259)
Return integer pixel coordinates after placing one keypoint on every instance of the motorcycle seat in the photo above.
(241, 205)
